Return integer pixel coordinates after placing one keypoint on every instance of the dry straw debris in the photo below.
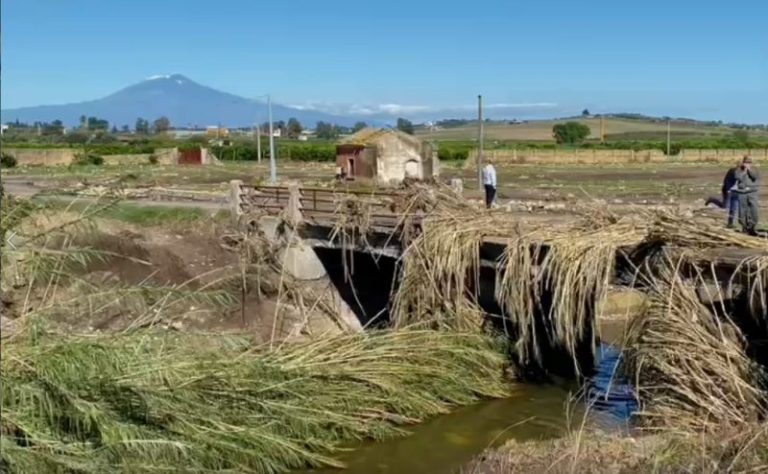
(689, 361)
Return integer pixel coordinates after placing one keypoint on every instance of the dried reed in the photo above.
(149, 401)
(689, 362)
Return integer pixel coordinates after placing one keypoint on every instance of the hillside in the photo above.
(615, 129)
(185, 102)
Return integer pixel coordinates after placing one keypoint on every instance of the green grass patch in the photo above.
(153, 215)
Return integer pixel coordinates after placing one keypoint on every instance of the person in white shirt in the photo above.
(489, 182)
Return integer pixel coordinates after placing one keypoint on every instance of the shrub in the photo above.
(570, 133)
(152, 159)
(8, 161)
(84, 159)
(447, 153)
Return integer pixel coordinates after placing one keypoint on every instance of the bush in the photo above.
(85, 159)
(285, 151)
(447, 153)
(8, 161)
(570, 133)
(152, 159)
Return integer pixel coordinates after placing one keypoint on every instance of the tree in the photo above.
(142, 126)
(54, 128)
(161, 125)
(294, 128)
(359, 126)
(405, 125)
(83, 121)
(570, 133)
(95, 123)
(326, 130)
(114, 129)
(585, 113)
(125, 129)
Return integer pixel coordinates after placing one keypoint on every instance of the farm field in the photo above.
(541, 130)
(641, 183)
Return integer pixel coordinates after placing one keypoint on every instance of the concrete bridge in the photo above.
(368, 287)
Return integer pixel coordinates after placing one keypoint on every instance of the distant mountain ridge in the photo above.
(185, 102)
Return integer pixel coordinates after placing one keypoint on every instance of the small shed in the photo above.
(386, 156)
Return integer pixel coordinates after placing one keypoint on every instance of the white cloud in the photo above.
(392, 109)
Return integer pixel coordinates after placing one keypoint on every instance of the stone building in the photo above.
(386, 156)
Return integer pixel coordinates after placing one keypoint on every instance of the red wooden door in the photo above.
(191, 157)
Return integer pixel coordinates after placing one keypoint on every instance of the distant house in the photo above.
(216, 132)
(306, 135)
(277, 132)
(3, 128)
(386, 156)
(181, 134)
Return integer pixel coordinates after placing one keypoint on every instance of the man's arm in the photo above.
(753, 174)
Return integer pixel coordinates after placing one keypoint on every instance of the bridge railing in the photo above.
(313, 203)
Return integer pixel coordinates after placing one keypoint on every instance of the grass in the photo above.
(742, 450)
(145, 216)
(153, 215)
(149, 402)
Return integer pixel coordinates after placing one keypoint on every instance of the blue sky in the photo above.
(705, 59)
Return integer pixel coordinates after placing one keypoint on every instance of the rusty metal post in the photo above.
(235, 199)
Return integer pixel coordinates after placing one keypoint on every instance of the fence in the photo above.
(386, 208)
(600, 156)
(723, 155)
(577, 156)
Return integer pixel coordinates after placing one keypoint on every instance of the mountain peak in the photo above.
(177, 78)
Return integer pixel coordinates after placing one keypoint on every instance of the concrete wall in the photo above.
(65, 156)
(392, 155)
(42, 156)
(614, 156)
(570, 156)
(760, 154)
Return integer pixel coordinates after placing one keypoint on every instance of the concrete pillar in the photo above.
(293, 208)
(457, 185)
(235, 199)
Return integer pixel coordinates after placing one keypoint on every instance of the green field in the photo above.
(615, 129)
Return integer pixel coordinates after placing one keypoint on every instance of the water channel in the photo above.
(532, 412)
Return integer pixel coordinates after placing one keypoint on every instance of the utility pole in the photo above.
(480, 141)
(258, 142)
(669, 136)
(272, 166)
(602, 129)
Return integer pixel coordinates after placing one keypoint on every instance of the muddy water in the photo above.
(532, 412)
(446, 443)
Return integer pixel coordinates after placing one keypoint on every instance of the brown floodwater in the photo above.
(446, 443)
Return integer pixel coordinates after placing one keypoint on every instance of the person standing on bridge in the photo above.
(489, 182)
(747, 179)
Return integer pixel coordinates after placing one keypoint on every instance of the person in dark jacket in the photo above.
(730, 198)
(747, 182)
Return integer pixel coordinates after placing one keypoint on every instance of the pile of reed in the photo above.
(440, 275)
(556, 275)
(149, 401)
(689, 361)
